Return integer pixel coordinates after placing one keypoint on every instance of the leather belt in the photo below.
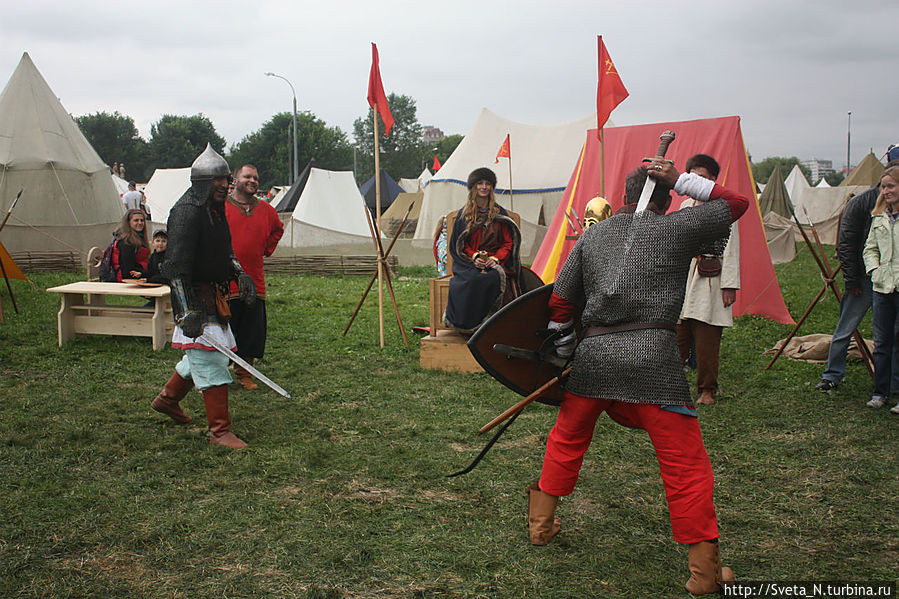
(630, 326)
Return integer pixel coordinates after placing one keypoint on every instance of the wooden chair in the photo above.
(438, 288)
(94, 255)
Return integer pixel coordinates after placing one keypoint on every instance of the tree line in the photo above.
(176, 140)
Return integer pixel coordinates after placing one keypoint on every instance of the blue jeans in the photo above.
(886, 326)
(852, 311)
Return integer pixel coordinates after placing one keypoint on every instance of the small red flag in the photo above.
(437, 165)
(504, 150)
(610, 91)
(376, 97)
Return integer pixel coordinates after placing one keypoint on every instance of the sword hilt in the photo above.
(665, 140)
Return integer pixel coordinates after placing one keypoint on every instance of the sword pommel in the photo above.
(665, 140)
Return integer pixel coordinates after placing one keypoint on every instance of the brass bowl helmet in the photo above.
(596, 210)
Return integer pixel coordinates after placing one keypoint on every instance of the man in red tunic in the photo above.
(255, 232)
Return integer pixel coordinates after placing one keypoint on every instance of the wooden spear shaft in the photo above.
(524, 402)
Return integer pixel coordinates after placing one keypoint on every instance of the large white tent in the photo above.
(330, 212)
(69, 201)
(795, 182)
(542, 158)
(163, 189)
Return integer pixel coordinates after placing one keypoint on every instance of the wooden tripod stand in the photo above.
(828, 275)
(382, 263)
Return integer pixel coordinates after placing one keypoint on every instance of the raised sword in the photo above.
(665, 140)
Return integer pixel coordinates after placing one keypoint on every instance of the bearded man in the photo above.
(255, 232)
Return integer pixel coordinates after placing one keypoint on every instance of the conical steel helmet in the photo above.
(209, 165)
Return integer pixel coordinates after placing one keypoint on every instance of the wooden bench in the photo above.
(84, 311)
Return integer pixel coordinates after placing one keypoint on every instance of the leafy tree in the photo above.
(269, 148)
(176, 141)
(402, 152)
(834, 178)
(447, 146)
(116, 139)
(761, 171)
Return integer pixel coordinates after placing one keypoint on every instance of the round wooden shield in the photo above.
(520, 325)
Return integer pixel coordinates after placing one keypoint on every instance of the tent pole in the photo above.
(511, 199)
(602, 166)
(377, 231)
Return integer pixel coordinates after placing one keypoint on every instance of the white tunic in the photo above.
(703, 298)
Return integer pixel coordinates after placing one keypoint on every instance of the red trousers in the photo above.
(683, 461)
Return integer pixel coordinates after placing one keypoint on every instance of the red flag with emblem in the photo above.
(610, 91)
(376, 97)
(504, 150)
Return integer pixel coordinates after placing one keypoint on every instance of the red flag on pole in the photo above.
(437, 165)
(610, 91)
(376, 97)
(504, 150)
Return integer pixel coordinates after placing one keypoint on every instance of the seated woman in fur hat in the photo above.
(485, 246)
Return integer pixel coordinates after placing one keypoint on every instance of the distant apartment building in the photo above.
(819, 168)
(430, 134)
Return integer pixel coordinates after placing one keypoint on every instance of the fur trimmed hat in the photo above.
(481, 174)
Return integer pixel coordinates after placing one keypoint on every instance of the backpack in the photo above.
(109, 262)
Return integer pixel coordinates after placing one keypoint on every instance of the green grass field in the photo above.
(342, 492)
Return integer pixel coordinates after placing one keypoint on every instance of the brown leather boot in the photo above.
(706, 573)
(243, 377)
(216, 400)
(173, 392)
(542, 523)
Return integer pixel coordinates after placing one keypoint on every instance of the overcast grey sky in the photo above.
(790, 68)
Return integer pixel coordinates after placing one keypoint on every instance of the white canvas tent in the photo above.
(408, 185)
(121, 186)
(822, 183)
(69, 200)
(823, 205)
(330, 212)
(163, 189)
(541, 166)
(796, 182)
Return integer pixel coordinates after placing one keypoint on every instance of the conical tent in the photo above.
(775, 197)
(625, 148)
(288, 201)
(69, 201)
(868, 172)
(541, 160)
(393, 216)
(777, 217)
(164, 188)
(389, 190)
(330, 212)
(795, 183)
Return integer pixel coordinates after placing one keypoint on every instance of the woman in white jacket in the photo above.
(882, 264)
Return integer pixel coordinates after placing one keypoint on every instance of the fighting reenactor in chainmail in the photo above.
(200, 265)
(626, 275)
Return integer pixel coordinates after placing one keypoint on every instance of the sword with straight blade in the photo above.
(241, 362)
(666, 138)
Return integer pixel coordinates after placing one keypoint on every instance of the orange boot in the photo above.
(542, 523)
(216, 400)
(243, 377)
(173, 392)
(706, 573)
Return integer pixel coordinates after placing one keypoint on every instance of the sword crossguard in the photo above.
(658, 159)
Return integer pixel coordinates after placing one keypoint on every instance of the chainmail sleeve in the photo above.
(182, 228)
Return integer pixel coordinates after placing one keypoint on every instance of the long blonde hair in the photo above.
(880, 206)
(470, 212)
(129, 235)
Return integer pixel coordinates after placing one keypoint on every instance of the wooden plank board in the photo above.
(447, 351)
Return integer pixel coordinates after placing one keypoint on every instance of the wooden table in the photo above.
(84, 311)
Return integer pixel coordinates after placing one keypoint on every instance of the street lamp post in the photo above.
(296, 169)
